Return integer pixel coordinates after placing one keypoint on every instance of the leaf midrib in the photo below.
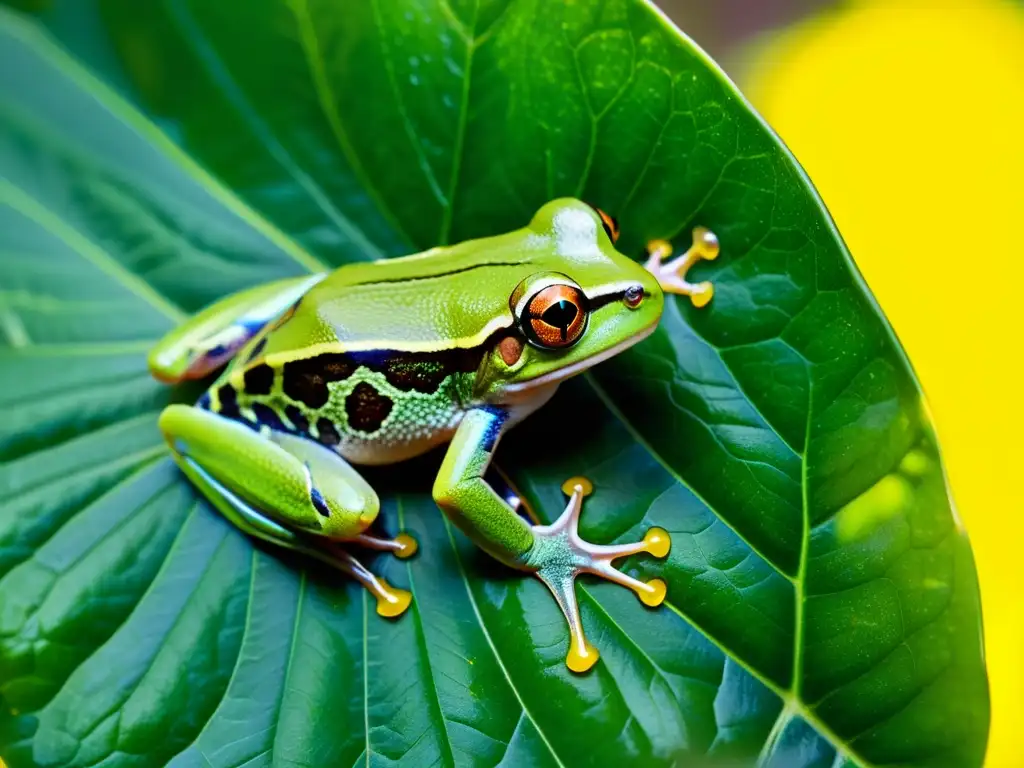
(422, 641)
(245, 631)
(328, 103)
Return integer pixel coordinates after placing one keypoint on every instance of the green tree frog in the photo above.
(377, 362)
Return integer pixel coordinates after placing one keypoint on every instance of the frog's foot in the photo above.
(559, 555)
(391, 601)
(672, 275)
(402, 546)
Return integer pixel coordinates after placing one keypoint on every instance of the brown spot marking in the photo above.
(259, 379)
(511, 349)
(367, 408)
(424, 371)
(306, 381)
(415, 373)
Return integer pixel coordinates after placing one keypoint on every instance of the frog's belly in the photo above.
(379, 424)
(398, 440)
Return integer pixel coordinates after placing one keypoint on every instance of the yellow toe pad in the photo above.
(654, 596)
(393, 602)
(569, 486)
(581, 659)
(407, 546)
(658, 542)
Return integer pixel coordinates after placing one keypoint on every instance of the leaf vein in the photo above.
(494, 649)
(221, 74)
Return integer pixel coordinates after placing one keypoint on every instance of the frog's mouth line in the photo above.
(562, 374)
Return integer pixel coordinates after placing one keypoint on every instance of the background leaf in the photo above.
(823, 607)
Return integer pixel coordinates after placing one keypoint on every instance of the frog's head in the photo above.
(581, 303)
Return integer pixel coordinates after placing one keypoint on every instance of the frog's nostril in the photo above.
(633, 296)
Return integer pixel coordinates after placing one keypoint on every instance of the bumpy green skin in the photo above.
(461, 491)
(378, 362)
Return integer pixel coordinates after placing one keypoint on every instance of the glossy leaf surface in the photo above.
(823, 606)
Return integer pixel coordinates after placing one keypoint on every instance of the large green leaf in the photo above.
(823, 607)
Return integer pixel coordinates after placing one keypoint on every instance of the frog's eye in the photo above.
(611, 226)
(555, 316)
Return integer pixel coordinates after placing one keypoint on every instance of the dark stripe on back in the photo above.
(450, 272)
(419, 371)
(306, 380)
(257, 350)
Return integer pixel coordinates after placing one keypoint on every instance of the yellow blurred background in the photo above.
(909, 117)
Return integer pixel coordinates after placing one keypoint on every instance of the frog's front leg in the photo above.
(672, 275)
(284, 489)
(554, 553)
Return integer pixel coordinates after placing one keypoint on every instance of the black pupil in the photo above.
(634, 293)
(560, 315)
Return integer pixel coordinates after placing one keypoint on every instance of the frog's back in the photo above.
(453, 296)
(434, 300)
(378, 360)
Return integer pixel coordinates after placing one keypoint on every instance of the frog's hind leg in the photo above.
(391, 601)
(286, 490)
(402, 546)
(502, 485)
(216, 334)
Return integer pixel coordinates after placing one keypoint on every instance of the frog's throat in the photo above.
(554, 377)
